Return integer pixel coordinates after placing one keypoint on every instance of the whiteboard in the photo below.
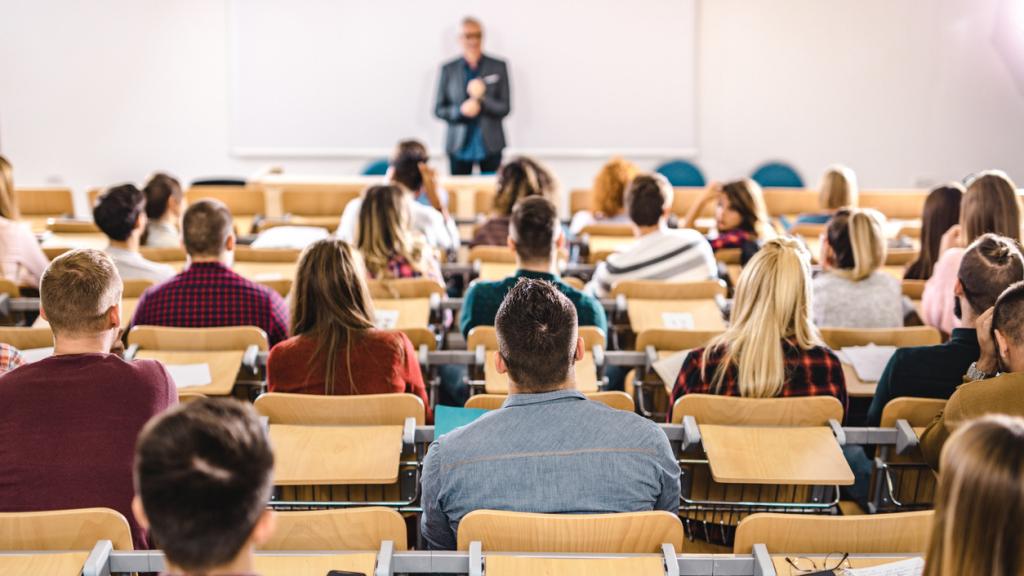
(333, 77)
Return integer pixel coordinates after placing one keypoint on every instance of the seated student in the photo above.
(608, 196)
(164, 204)
(120, 212)
(989, 205)
(996, 379)
(535, 237)
(22, 261)
(430, 193)
(208, 293)
(741, 219)
(838, 190)
(548, 449)
(851, 291)
(70, 421)
(10, 358)
(335, 348)
(203, 477)
(517, 179)
(390, 247)
(989, 266)
(661, 253)
(979, 505)
(941, 212)
(410, 173)
(771, 348)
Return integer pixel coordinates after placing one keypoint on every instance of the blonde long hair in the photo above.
(857, 242)
(8, 200)
(979, 506)
(773, 303)
(838, 188)
(383, 233)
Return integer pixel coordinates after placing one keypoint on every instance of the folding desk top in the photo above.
(56, 564)
(289, 565)
(650, 314)
(224, 365)
(317, 455)
(775, 455)
(502, 565)
(412, 312)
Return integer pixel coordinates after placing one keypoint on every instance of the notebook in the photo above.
(190, 375)
(908, 567)
(36, 354)
(677, 320)
(868, 361)
(448, 418)
(386, 319)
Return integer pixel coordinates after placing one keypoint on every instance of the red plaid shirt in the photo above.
(813, 372)
(209, 294)
(735, 238)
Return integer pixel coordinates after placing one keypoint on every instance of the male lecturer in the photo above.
(473, 97)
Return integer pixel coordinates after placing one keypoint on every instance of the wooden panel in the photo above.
(95, 241)
(71, 226)
(662, 290)
(916, 411)
(687, 196)
(412, 312)
(783, 567)
(492, 271)
(500, 565)
(812, 534)
(771, 455)
(613, 399)
(313, 455)
(281, 255)
(198, 339)
(649, 314)
(63, 529)
(240, 200)
(674, 340)
(352, 529)
(319, 199)
(224, 367)
(27, 338)
(69, 564)
(586, 375)
(358, 410)
(318, 565)
(837, 338)
(492, 254)
(404, 288)
(263, 271)
(487, 337)
(895, 203)
(732, 410)
(45, 201)
(631, 532)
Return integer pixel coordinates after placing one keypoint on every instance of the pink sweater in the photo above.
(21, 259)
(937, 300)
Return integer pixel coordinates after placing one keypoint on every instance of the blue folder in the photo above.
(448, 418)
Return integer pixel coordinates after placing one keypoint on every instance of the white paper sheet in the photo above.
(908, 567)
(677, 320)
(387, 319)
(668, 368)
(36, 354)
(190, 375)
(868, 361)
(297, 237)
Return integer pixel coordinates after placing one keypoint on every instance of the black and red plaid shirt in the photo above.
(209, 294)
(812, 372)
(735, 238)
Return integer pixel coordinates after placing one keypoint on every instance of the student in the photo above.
(10, 358)
(771, 348)
(838, 190)
(989, 266)
(979, 505)
(120, 213)
(546, 436)
(208, 293)
(389, 246)
(989, 205)
(203, 477)
(741, 219)
(70, 421)
(335, 348)
(520, 178)
(660, 253)
(164, 204)
(941, 212)
(851, 291)
(411, 173)
(536, 238)
(995, 380)
(609, 196)
(21, 258)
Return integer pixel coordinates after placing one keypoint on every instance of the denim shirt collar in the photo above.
(544, 397)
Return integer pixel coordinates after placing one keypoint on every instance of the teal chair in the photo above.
(681, 173)
(376, 168)
(777, 175)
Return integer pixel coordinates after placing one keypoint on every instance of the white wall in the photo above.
(907, 92)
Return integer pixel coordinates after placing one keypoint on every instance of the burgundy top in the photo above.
(69, 425)
(493, 232)
(383, 362)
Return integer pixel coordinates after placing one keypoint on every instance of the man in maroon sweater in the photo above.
(69, 422)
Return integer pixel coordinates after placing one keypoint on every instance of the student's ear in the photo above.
(511, 243)
(229, 244)
(499, 364)
(264, 528)
(560, 242)
(140, 221)
(114, 315)
(140, 513)
(42, 313)
(958, 289)
(581, 348)
(1002, 345)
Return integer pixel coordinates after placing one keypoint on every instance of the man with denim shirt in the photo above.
(547, 449)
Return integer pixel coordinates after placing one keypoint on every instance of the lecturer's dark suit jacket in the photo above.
(496, 104)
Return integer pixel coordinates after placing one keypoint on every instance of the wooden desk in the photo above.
(783, 567)
(647, 314)
(609, 243)
(586, 375)
(502, 565)
(57, 564)
(266, 270)
(490, 271)
(316, 455)
(855, 387)
(297, 564)
(412, 312)
(223, 364)
(775, 455)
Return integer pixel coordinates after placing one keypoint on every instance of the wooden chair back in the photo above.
(686, 196)
(48, 201)
(280, 285)
(404, 288)
(358, 410)
(247, 200)
(164, 254)
(790, 201)
(913, 289)
(729, 256)
(735, 411)
(905, 532)
(187, 397)
(323, 199)
(10, 288)
(483, 201)
(285, 255)
(623, 533)
(26, 338)
(198, 339)
(660, 290)
(64, 529)
(615, 399)
(574, 282)
(133, 288)
(487, 337)
(497, 254)
(665, 340)
(918, 412)
(609, 229)
(898, 204)
(837, 338)
(900, 257)
(70, 226)
(580, 199)
(352, 529)
(421, 336)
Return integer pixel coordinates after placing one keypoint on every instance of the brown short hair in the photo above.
(537, 330)
(534, 228)
(1008, 315)
(647, 198)
(990, 205)
(159, 190)
(203, 471)
(117, 211)
(78, 289)
(206, 227)
(988, 267)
